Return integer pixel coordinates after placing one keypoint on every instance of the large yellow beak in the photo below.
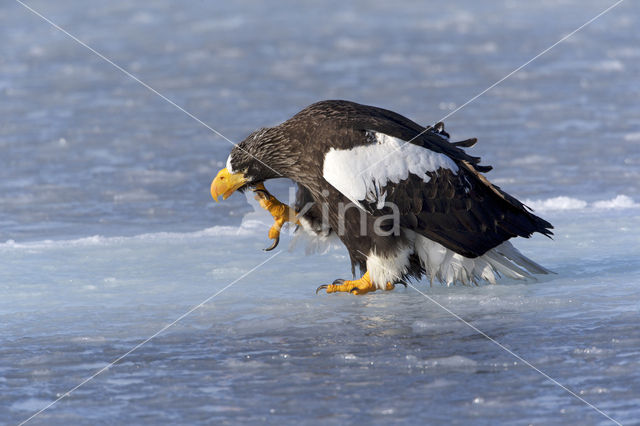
(226, 183)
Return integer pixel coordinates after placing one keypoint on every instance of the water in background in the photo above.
(108, 232)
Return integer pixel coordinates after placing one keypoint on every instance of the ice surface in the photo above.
(268, 348)
(108, 233)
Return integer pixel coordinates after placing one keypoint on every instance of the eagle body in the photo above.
(404, 200)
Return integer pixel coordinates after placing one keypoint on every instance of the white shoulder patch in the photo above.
(362, 172)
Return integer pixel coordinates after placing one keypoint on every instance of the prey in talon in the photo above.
(405, 200)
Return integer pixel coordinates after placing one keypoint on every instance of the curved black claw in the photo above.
(325, 286)
(262, 192)
(274, 245)
(402, 282)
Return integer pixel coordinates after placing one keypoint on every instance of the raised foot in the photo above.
(360, 286)
(281, 213)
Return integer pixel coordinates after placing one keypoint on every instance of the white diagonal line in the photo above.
(128, 74)
(529, 61)
(121, 357)
(499, 81)
(500, 345)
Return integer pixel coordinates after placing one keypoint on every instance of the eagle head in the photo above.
(250, 163)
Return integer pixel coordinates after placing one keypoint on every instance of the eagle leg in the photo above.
(281, 213)
(360, 286)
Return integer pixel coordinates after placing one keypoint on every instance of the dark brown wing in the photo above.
(364, 118)
(462, 211)
(459, 209)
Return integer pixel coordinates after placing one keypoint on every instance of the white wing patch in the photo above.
(361, 173)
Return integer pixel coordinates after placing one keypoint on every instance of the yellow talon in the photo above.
(360, 286)
(281, 213)
(274, 231)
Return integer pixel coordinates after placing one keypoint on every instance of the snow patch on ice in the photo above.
(569, 203)
(135, 195)
(619, 202)
(30, 404)
(608, 65)
(557, 203)
(454, 361)
(533, 159)
(632, 136)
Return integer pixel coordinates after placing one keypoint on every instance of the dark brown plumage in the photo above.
(458, 209)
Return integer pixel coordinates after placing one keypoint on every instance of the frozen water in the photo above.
(109, 233)
(267, 348)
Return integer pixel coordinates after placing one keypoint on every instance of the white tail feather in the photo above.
(450, 267)
(507, 250)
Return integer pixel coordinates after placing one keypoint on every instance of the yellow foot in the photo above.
(281, 213)
(359, 286)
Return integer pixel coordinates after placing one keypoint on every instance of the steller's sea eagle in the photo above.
(404, 200)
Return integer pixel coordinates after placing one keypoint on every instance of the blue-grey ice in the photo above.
(108, 232)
